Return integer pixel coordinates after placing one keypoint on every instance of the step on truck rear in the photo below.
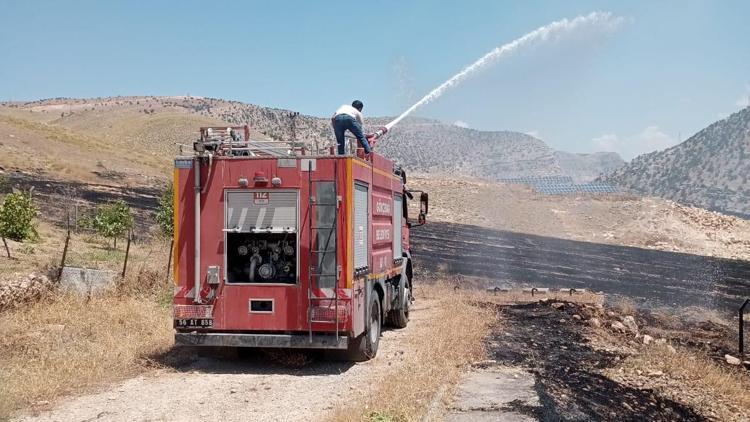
(277, 246)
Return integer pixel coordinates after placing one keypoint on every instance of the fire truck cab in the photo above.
(277, 246)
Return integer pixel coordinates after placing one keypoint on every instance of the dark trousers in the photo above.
(341, 124)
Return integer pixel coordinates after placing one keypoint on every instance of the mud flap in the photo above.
(366, 308)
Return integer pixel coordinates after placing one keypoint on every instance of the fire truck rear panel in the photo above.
(261, 240)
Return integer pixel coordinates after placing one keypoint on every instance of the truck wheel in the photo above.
(399, 318)
(365, 347)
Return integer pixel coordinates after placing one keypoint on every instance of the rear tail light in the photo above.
(193, 311)
(326, 312)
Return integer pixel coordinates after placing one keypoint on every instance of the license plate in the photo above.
(194, 323)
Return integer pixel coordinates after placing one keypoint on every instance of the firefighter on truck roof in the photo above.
(349, 117)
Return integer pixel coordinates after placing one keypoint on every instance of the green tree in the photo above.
(17, 214)
(165, 212)
(112, 220)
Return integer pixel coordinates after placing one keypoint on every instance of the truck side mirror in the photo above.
(423, 207)
(424, 204)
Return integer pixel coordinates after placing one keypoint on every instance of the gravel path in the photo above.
(239, 389)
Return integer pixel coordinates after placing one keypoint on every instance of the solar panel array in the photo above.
(539, 180)
(559, 185)
(596, 188)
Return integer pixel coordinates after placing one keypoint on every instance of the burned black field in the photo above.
(567, 369)
(652, 278)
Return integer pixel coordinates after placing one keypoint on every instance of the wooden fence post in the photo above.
(7, 249)
(127, 253)
(65, 250)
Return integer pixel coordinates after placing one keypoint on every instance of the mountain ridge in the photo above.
(709, 169)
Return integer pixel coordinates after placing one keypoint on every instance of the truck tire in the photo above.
(365, 347)
(399, 318)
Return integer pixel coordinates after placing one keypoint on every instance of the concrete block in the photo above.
(484, 395)
(86, 280)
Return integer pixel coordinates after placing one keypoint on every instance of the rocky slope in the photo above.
(154, 125)
(430, 146)
(434, 147)
(709, 170)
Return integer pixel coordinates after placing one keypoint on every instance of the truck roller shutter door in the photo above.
(361, 224)
(250, 210)
(397, 210)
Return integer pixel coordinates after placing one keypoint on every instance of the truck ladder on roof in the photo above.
(315, 250)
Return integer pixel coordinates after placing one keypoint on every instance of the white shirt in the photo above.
(351, 111)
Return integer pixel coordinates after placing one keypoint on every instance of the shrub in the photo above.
(112, 220)
(165, 212)
(16, 217)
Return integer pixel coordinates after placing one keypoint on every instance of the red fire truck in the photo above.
(277, 246)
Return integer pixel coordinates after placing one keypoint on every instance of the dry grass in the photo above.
(64, 343)
(36, 148)
(625, 306)
(716, 390)
(697, 314)
(31, 256)
(446, 343)
(56, 134)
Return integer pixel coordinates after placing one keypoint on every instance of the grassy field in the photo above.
(86, 249)
(56, 152)
(121, 141)
(63, 343)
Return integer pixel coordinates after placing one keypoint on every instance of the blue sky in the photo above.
(671, 69)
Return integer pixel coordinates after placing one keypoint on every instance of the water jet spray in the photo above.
(603, 21)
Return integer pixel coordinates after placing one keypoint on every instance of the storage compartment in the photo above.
(261, 236)
(261, 258)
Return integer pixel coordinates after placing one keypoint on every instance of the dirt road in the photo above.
(653, 278)
(250, 388)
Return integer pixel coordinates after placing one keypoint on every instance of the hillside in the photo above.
(710, 169)
(430, 146)
(627, 220)
(434, 147)
(133, 139)
(120, 141)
